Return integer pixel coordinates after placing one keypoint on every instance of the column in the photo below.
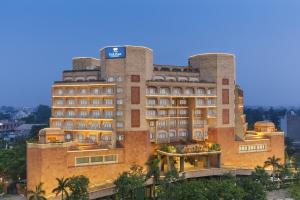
(159, 163)
(181, 164)
(168, 163)
(208, 161)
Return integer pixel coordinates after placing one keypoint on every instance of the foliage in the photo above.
(258, 114)
(290, 148)
(215, 147)
(253, 189)
(13, 162)
(40, 116)
(61, 188)
(261, 176)
(34, 132)
(78, 185)
(294, 191)
(37, 194)
(129, 185)
(274, 162)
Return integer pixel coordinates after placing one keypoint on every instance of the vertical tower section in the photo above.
(219, 68)
(129, 67)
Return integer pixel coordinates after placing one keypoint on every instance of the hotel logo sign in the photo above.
(115, 52)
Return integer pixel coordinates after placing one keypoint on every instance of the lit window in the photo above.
(83, 102)
(119, 78)
(70, 113)
(96, 101)
(151, 90)
(119, 90)
(108, 113)
(120, 137)
(183, 112)
(107, 125)
(119, 101)
(110, 79)
(120, 124)
(108, 101)
(182, 102)
(119, 113)
(59, 113)
(96, 113)
(57, 124)
(83, 114)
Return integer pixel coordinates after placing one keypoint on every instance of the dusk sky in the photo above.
(39, 38)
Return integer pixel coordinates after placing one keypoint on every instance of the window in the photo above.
(163, 113)
(69, 125)
(119, 90)
(83, 91)
(106, 138)
(110, 158)
(182, 133)
(81, 125)
(211, 102)
(82, 160)
(172, 134)
(189, 91)
(96, 159)
(164, 102)
(70, 113)
(119, 79)
(119, 113)
(108, 114)
(199, 135)
(95, 126)
(152, 123)
(162, 124)
(120, 137)
(198, 112)
(96, 101)
(177, 91)
(83, 114)
(173, 122)
(71, 91)
(59, 113)
(151, 112)
(151, 90)
(119, 101)
(164, 91)
(135, 118)
(225, 96)
(199, 102)
(211, 113)
(182, 102)
(110, 79)
(83, 102)
(60, 91)
(183, 112)
(225, 81)
(107, 125)
(172, 112)
(59, 102)
(183, 122)
(96, 113)
(151, 102)
(211, 91)
(135, 95)
(200, 91)
(162, 135)
(95, 91)
(109, 91)
(252, 148)
(108, 101)
(135, 78)
(152, 136)
(57, 124)
(225, 116)
(120, 124)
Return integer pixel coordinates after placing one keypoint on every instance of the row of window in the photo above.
(70, 125)
(91, 160)
(170, 134)
(92, 102)
(92, 138)
(170, 112)
(180, 91)
(80, 78)
(173, 78)
(86, 91)
(87, 114)
(252, 148)
(174, 122)
(111, 79)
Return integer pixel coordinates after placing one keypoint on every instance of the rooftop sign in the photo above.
(115, 52)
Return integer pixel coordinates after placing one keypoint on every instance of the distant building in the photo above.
(111, 113)
(291, 122)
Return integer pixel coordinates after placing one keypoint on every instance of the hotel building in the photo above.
(116, 111)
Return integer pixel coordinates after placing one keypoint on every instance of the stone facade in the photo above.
(111, 113)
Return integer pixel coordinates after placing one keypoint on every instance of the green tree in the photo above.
(61, 188)
(253, 189)
(78, 186)
(129, 185)
(13, 162)
(153, 171)
(294, 191)
(37, 194)
(40, 116)
(260, 175)
(274, 162)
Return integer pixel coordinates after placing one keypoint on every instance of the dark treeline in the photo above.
(262, 113)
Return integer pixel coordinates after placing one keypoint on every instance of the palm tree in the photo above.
(274, 162)
(63, 184)
(38, 194)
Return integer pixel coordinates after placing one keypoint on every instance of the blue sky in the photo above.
(39, 38)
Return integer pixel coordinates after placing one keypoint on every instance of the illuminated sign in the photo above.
(115, 52)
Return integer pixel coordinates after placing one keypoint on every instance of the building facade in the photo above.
(116, 111)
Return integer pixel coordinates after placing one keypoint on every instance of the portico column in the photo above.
(181, 164)
(168, 163)
(208, 162)
(219, 160)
